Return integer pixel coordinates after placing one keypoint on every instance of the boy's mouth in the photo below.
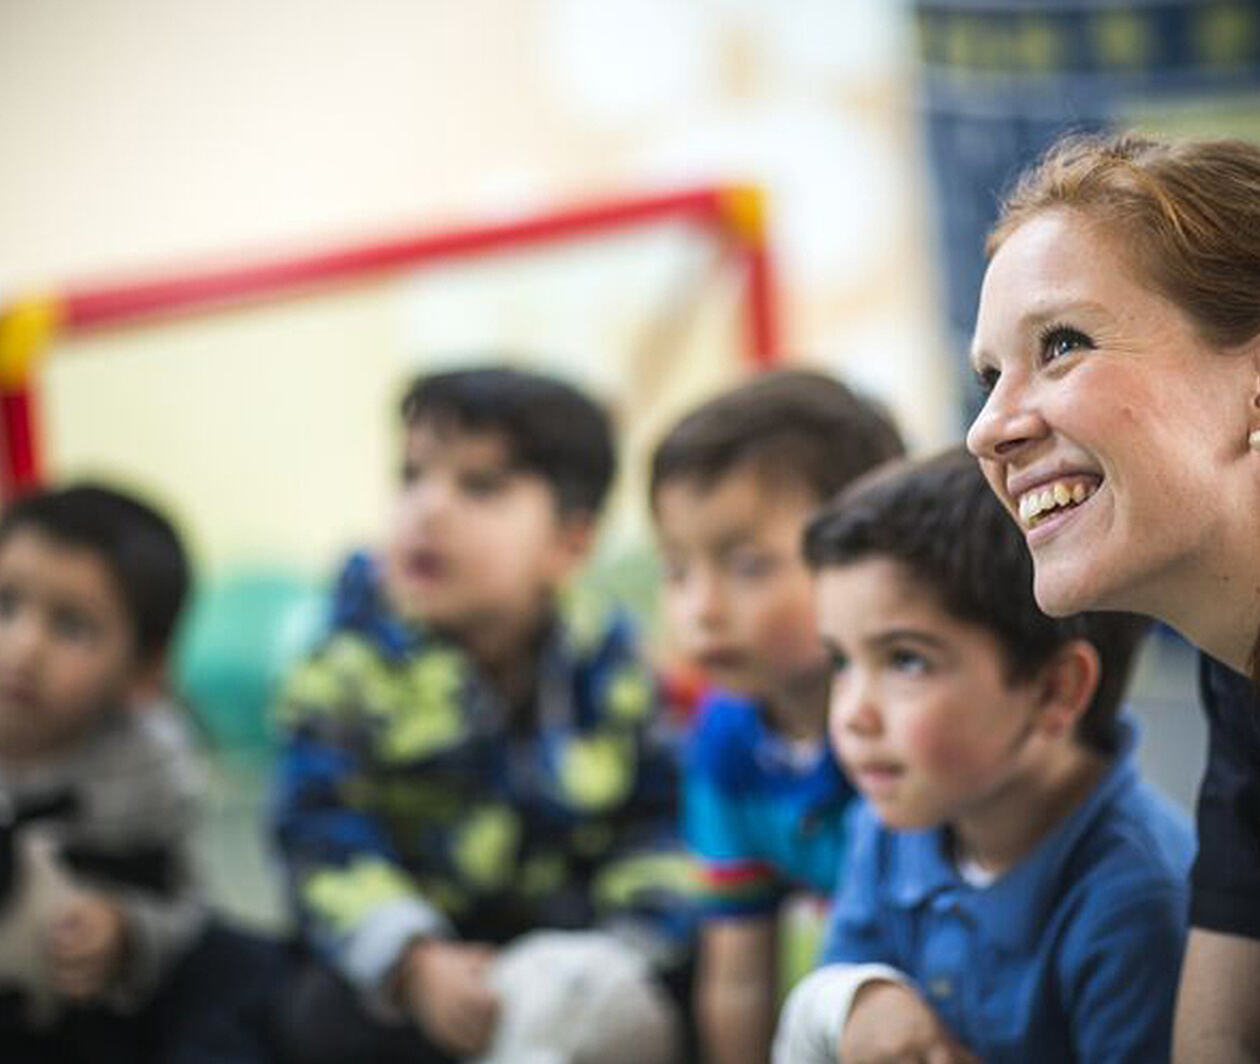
(876, 777)
(426, 565)
(720, 659)
(18, 694)
(1039, 504)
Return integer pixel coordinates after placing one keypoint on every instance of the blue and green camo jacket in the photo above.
(408, 805)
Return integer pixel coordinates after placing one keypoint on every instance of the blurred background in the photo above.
(150, 145)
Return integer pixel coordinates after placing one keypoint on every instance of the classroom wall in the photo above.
(144, 134)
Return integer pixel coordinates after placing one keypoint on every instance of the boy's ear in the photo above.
(148, 681)
(1067, 684)
(575, 534)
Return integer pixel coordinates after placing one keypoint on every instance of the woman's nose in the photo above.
(1008, 420)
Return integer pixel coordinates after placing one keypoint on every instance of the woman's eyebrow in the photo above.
(1037, 316)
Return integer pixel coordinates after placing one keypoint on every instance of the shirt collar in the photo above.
(1013, 910)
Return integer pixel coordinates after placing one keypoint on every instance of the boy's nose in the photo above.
(21, 642)
(853, 710)
(706, 599)
(430, 502)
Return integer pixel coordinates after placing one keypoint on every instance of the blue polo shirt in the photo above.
(1073, 955)
(761, 815)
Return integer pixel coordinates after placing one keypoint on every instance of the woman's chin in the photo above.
(1061, 591)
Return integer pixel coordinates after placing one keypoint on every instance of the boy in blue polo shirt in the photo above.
(1014, 891)
(733, 485)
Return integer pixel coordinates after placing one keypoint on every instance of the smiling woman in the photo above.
(1118, 339)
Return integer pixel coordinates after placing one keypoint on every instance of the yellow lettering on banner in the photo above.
(1225, 34)
(1124, 39)
(1040, 48)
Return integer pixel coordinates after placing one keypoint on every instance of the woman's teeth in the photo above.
(1034, 506)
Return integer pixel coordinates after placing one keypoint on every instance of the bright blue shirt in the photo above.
(761, 815)
(1073, 955)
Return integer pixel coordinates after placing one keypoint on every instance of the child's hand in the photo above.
(445, 991)
(890, 1023)
(86, 945)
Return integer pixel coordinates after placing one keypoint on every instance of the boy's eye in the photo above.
(411, 472)
(838, 660)
(750, 565)
(908, 662)
(73, 625)
(673, 571)
(1059, 340)
(482, 485)
(10, 601)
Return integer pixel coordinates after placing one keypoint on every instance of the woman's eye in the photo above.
(1060, 340)
(986, 379)
(839, 661)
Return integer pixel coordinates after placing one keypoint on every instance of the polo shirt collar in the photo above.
(1013, 910)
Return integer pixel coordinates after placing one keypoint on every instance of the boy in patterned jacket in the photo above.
(468, 756)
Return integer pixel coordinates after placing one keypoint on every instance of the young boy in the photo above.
(732, 486)
(465, 760)
(114, 959)
(1014, 892)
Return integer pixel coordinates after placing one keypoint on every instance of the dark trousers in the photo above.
(320, 1020)
(215, 1007)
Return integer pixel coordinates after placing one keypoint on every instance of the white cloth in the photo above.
(579, 997)
(818, 1008)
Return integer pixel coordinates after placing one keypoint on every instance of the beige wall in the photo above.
(140, 133)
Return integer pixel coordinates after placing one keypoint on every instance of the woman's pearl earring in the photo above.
(1253, 440)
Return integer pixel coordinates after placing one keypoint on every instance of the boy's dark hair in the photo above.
(139, 545)
(792, 425)
(939, 519)
(552, 429)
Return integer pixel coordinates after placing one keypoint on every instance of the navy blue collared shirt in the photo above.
(1226, 878)
(1073, 955)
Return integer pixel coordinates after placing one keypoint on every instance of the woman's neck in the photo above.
(508, 654)
(1213, 600)
(1218, 612)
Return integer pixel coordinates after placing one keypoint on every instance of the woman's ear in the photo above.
(1067, 685)
(1253, 408)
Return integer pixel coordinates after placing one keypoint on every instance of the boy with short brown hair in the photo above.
(466, 758)
(733, 485)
